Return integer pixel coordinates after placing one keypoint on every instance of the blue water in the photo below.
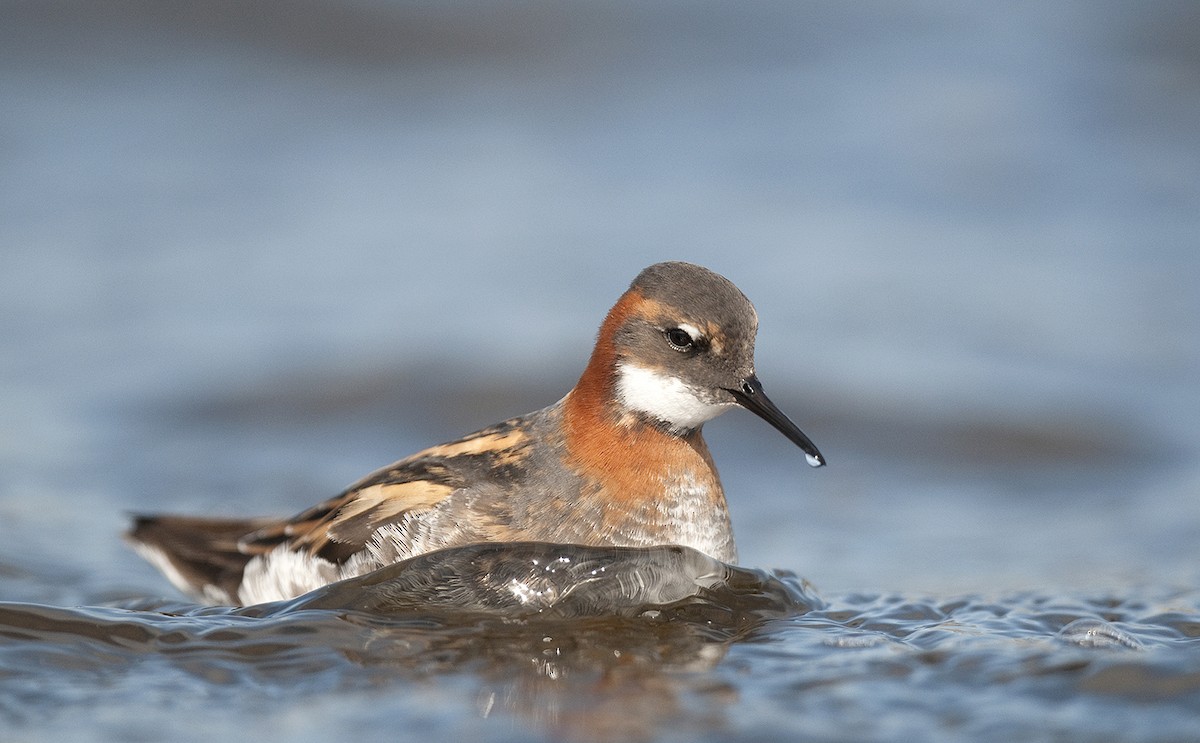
(635, 653)
(248, 254)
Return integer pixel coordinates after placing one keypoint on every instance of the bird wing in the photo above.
(207, 557)
(342, 526)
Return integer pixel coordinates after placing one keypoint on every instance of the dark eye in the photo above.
(679, 339)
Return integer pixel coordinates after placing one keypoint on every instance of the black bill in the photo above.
(750, 395)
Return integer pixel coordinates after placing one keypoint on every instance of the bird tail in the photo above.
(202, 557)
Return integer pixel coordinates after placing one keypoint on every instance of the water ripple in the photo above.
(587, 643)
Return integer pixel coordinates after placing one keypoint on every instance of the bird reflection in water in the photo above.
(583, 643)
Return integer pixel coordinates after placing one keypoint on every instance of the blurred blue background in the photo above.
(251, 250)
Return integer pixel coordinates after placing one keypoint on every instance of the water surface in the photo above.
(628, 652)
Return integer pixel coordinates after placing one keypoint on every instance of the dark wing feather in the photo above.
(342, 526)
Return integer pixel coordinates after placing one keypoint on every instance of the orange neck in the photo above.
(613, 446)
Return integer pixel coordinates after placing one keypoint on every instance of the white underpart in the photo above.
(283, 574)
(663, 397)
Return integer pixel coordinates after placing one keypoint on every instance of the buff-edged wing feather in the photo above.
(342, 526)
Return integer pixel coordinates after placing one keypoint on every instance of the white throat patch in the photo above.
(663, 397)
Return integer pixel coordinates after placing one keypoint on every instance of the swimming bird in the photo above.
(618, 461)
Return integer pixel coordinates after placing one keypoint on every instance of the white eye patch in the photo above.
(664, 397)
(692, 331)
